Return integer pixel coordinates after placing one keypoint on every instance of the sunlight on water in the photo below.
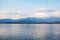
(29, 30)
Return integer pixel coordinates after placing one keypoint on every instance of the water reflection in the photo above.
(40, 31)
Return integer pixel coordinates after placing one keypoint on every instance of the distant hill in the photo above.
(32, 20)
(6, 20)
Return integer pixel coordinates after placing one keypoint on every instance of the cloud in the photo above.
(45, 13)
(3, 14)
(44, 10)
(13, 14)
(40, 13)
(56, 14)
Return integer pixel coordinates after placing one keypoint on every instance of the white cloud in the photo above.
(41, 13)
(56, 14)
(3, 14)
(45, 13)
(14, 14)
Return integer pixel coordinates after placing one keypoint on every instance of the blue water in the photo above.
(29, 31)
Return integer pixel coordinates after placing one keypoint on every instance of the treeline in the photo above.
(31, 22)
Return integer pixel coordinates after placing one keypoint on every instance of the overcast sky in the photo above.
(29, 8)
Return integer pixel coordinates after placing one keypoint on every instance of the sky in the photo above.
(16, 9)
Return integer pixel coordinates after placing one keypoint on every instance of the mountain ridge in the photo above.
(31, 20)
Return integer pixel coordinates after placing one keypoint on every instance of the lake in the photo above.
(29, 31)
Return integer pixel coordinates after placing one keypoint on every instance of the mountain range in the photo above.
(32, 20)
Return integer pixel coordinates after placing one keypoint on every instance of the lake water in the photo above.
(29, 31)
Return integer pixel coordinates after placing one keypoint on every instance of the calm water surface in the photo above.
(30, 31)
